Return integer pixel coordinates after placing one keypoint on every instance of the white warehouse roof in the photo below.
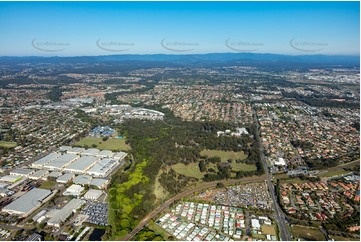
(46, 159)
(61, 161)
(82, 164)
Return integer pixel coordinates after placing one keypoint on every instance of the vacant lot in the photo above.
(340, 238)
(48, 184)
(110, 144)
(224, 155)
(307, 233)
(190, 170)
(6, 144)
(268, 229)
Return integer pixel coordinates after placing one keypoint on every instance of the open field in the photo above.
(7, 144)
(110, 144)
(340, 238)
(307, 233)
(268, 229)
(158, 230)
(334, 173)
(159, 192)
(242, 167)
(48, 184)
(191, 170)
(224, 155)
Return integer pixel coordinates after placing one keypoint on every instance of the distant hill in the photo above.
(200, 59)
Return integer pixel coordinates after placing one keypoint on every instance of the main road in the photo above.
(186, 193)
(280, 217)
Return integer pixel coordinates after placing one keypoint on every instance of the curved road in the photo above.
(165, 205)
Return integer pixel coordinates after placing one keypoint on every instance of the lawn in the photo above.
(268, 229)
(307, 233)
(48, 184)
(243, 167)
(7, 144)
(334, 173)
(158, 230)
(224, 155)
(110, 144)
(340, 238)
(190, 170)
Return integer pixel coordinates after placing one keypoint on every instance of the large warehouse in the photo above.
(61, 216)
(45, 160)
(60, 162)
(102, 167)
(81, 165)
(28, 202)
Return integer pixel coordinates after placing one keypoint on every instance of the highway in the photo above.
(280, 217)
(186, 193)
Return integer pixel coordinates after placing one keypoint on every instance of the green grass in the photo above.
(307, 233)
(334, 173)
(159, 192)
(110, 144)
(224, 155)
(158, 230)
(7, 144)
(340, 238)
(48, 184)
(190, 170)
(268, 229)
(242, 167)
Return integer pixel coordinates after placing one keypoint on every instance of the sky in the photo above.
(107, 28)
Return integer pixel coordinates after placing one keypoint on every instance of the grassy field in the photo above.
(159, 191)
(158, 230)
(243, 167)
(340, 238)
(224, 155)
(268, 229)
(307, 233)
(7, 144)
(48, 184)
(110, 144)
(191, 170)
(334, 173)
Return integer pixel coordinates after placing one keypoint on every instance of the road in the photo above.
(186, 193)
(280, 217)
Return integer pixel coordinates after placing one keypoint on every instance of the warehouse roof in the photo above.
(38, 174)
(61, 161)
(91, 152)
(65, 178)
(81, 164)
(46, 159)
(75, 150)
(98, 182)
(22, 171)
(28, 201)
(102, 166)
(105, 153)
(65, 212)
(82, 180)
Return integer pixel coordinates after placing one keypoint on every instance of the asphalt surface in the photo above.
(280, 217)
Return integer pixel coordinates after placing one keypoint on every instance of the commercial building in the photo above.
(102, 167)
(93, 194)
(99, 183)
(91, 152)
(75, 150)
(74, 190)
(105, 153)
(82, 180)
(45, 160)
(60, 162)
(10, 178)
(61, 215)
(67, 177)
(81, 165)
(21, 172)
(120, 155)
(28, 202)
(40, 174)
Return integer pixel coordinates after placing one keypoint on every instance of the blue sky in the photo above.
(104, 28)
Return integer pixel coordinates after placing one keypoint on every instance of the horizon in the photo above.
(71, 29)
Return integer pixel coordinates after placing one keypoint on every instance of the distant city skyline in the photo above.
(106, 28)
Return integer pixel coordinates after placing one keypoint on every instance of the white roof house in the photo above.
(255, 224)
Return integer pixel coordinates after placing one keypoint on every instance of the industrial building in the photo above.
(10, 178)
(102, 167)
(60, 162)
(93, 194)
(40, 174)
(105, 153)
(75, 150)
(45, 160)
(81, 165)
(120, 155)
(28, 202)
(61, 215)
(21, 172)
(67, 177)
(99, 183)
(91, 152)
(82, 180)
(74, 190)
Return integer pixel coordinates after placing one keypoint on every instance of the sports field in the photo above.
(110, 144)
(224, 155)
(7, 144)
